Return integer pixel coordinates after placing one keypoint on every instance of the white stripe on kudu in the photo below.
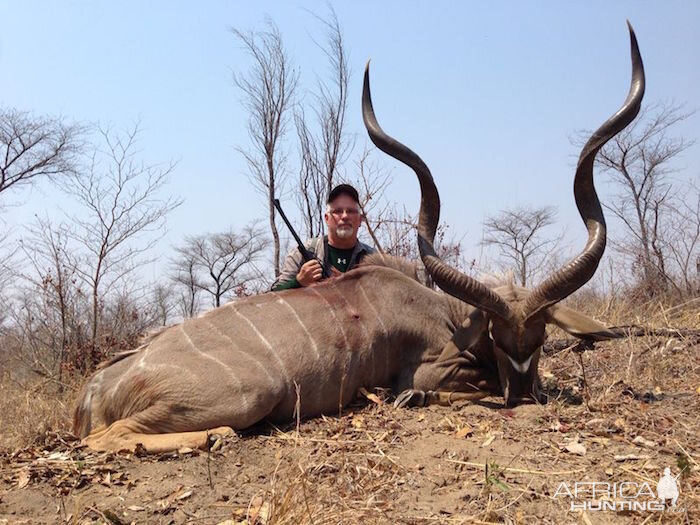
(244, 401)
(335, 317)
(267, 344)
(374, 310)
(246, 355)
(140, 362)
(281, 300)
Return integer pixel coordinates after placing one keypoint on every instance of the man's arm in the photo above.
(290, 268)
(297, 273)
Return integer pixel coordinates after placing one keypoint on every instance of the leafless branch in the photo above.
(36, 147)
(267, 93)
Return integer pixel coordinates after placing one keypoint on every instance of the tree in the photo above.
(184, 273)
(164, 302)
(321, 156)
(394, 231)
(640, 159)
(119, 196)
(682, 240)
(268, 90)
(50, 315)
(372, 183)
(517, 235)
(219, 264)
(36, 147)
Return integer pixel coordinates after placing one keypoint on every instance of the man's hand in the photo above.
(309, 273)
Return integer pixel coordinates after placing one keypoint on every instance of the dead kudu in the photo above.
(375, 326)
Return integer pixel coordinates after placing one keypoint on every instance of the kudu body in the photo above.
(306, 351)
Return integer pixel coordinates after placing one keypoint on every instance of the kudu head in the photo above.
(516, 318)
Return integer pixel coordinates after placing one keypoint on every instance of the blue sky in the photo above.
(488, 93)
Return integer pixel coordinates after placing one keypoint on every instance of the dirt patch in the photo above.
(619, 413)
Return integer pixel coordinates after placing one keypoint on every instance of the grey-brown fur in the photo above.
(374, 326)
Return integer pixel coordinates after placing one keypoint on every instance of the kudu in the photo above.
(307, 351)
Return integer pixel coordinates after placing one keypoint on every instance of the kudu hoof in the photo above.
(410, 398)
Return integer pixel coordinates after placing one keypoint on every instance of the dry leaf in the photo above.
(446, 424)
(488, 441)
(374, 398)
(640, 441)
(464, 432)
(421, 417)
(595, 421)
(23, 479)
(698, 390)
(575, 447)
(358, 422)
(184, 450)
(259, 510)
(136, 508)
(184, 495)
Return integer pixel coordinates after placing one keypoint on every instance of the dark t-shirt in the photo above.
(340, 259)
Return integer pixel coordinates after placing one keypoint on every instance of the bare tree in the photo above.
(312, 180)
(372, 183)
(682, 240)
(49, 317)
(640, 159)
(394, 232)
(164, 302)
(517, 235)
(268, 90)
(321, 156)
(124, 216)
(184, 273)
(220, 264)
(36, 147)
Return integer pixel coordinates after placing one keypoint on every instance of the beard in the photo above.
(345, 231)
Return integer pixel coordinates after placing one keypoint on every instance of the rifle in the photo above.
(306, 254)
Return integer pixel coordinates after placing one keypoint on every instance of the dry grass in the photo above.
(31, 409)
(633, 405)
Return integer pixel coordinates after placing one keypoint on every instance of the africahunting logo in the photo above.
(623, 495)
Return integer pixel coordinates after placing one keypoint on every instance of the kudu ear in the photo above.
(579, 325)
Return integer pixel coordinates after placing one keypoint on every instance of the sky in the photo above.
(487, 93)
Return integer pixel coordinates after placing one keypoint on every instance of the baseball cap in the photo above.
(341, 189)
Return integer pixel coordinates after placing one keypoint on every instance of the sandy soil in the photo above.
(618, 413)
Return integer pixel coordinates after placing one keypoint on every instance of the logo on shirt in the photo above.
(342, 261)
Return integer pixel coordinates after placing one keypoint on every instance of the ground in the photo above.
(620, 412)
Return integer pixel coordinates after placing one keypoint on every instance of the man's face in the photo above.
(343, 220)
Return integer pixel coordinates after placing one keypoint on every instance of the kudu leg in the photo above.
(454, 376)
(420, 398)
(124, 435)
